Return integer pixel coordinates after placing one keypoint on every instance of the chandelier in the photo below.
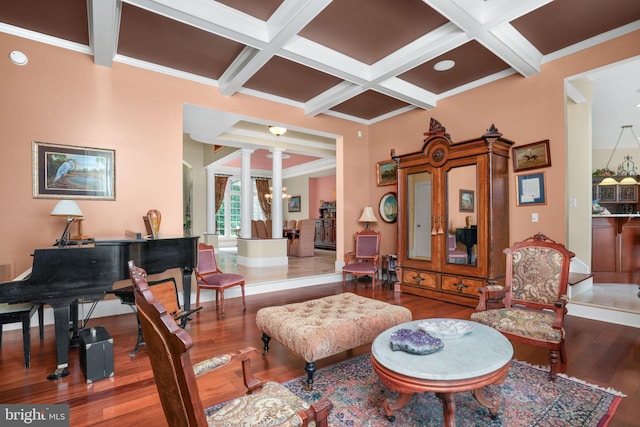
(269, 196)
(627, 168)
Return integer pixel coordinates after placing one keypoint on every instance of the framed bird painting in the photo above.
(70, 172)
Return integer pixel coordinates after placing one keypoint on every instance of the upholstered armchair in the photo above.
(303, 244)
(365, 260)
(269, 403)
(535, 297)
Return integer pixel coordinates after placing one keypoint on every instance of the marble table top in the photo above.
(480, 352)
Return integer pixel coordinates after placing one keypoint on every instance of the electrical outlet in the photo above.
(534, 217)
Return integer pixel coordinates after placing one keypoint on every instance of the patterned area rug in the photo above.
(527, 398)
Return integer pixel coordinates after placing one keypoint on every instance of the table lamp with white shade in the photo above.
(368, 216)
(72, 211)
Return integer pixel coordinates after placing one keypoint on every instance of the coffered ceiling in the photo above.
(359, 59)
(362, 60)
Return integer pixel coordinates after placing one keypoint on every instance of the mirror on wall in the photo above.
(462, 215)
(419, 215)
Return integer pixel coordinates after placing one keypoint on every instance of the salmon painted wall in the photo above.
(525, 110)
(61, 97)
(320, 189)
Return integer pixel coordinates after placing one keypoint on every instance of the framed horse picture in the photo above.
(531, 156)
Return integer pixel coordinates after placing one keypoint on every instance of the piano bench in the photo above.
(13, 313)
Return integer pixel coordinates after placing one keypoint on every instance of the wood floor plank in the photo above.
(602, 353)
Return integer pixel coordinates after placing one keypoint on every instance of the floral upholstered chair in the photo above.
(168, 345)
(535, 297)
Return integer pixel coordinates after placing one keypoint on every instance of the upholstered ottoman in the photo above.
(326, 326)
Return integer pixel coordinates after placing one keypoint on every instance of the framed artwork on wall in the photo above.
(389, 207)
(294, 204)
(531, 189)
(531, 156)
(467, 201)
(70, 172)
(386, 173)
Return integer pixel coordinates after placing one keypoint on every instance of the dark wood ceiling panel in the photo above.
(472, 60)
(363, 32)
(159, 40)
(369, 30)
(262, 9)
(369, 104)
(563, 23)
(291, 80)
(63, 19)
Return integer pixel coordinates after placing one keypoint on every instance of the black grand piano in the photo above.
(468, 237)
(62, 275)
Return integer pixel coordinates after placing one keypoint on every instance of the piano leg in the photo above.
(61, 318)
(186, 288)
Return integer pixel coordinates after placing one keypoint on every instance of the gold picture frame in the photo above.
(71, 172)
(531, 156)
(387, 173)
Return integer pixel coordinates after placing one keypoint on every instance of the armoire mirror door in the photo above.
(462, 215)
(420, 214)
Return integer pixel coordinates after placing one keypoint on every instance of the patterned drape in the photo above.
(262, 185)
(221, 185)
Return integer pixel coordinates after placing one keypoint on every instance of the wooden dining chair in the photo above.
(209, 276)
(168, 346)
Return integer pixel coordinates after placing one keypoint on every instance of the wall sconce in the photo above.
(367, 217)
(277, 130)
(71, 210)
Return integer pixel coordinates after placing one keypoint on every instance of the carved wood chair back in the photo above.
(534, 297)
(175, 375)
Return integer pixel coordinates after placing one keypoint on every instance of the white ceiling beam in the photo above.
(489, 25)
(104, 27)
(290, 18)
(370, 77)
(407, 92)
(424, 49)
(332, 97)
(211, 16)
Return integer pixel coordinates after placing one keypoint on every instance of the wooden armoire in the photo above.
(453, 200)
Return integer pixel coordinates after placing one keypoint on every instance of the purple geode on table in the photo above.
(415, 342)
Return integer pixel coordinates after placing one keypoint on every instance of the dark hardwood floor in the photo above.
(601, 353)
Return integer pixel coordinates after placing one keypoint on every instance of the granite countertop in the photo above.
(635, 215)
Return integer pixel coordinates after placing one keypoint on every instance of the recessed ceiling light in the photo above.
(18, 57)
(445, 65)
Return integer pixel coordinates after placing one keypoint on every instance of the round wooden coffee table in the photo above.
(466, 363)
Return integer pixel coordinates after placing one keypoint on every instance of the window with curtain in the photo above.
(228, 215)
